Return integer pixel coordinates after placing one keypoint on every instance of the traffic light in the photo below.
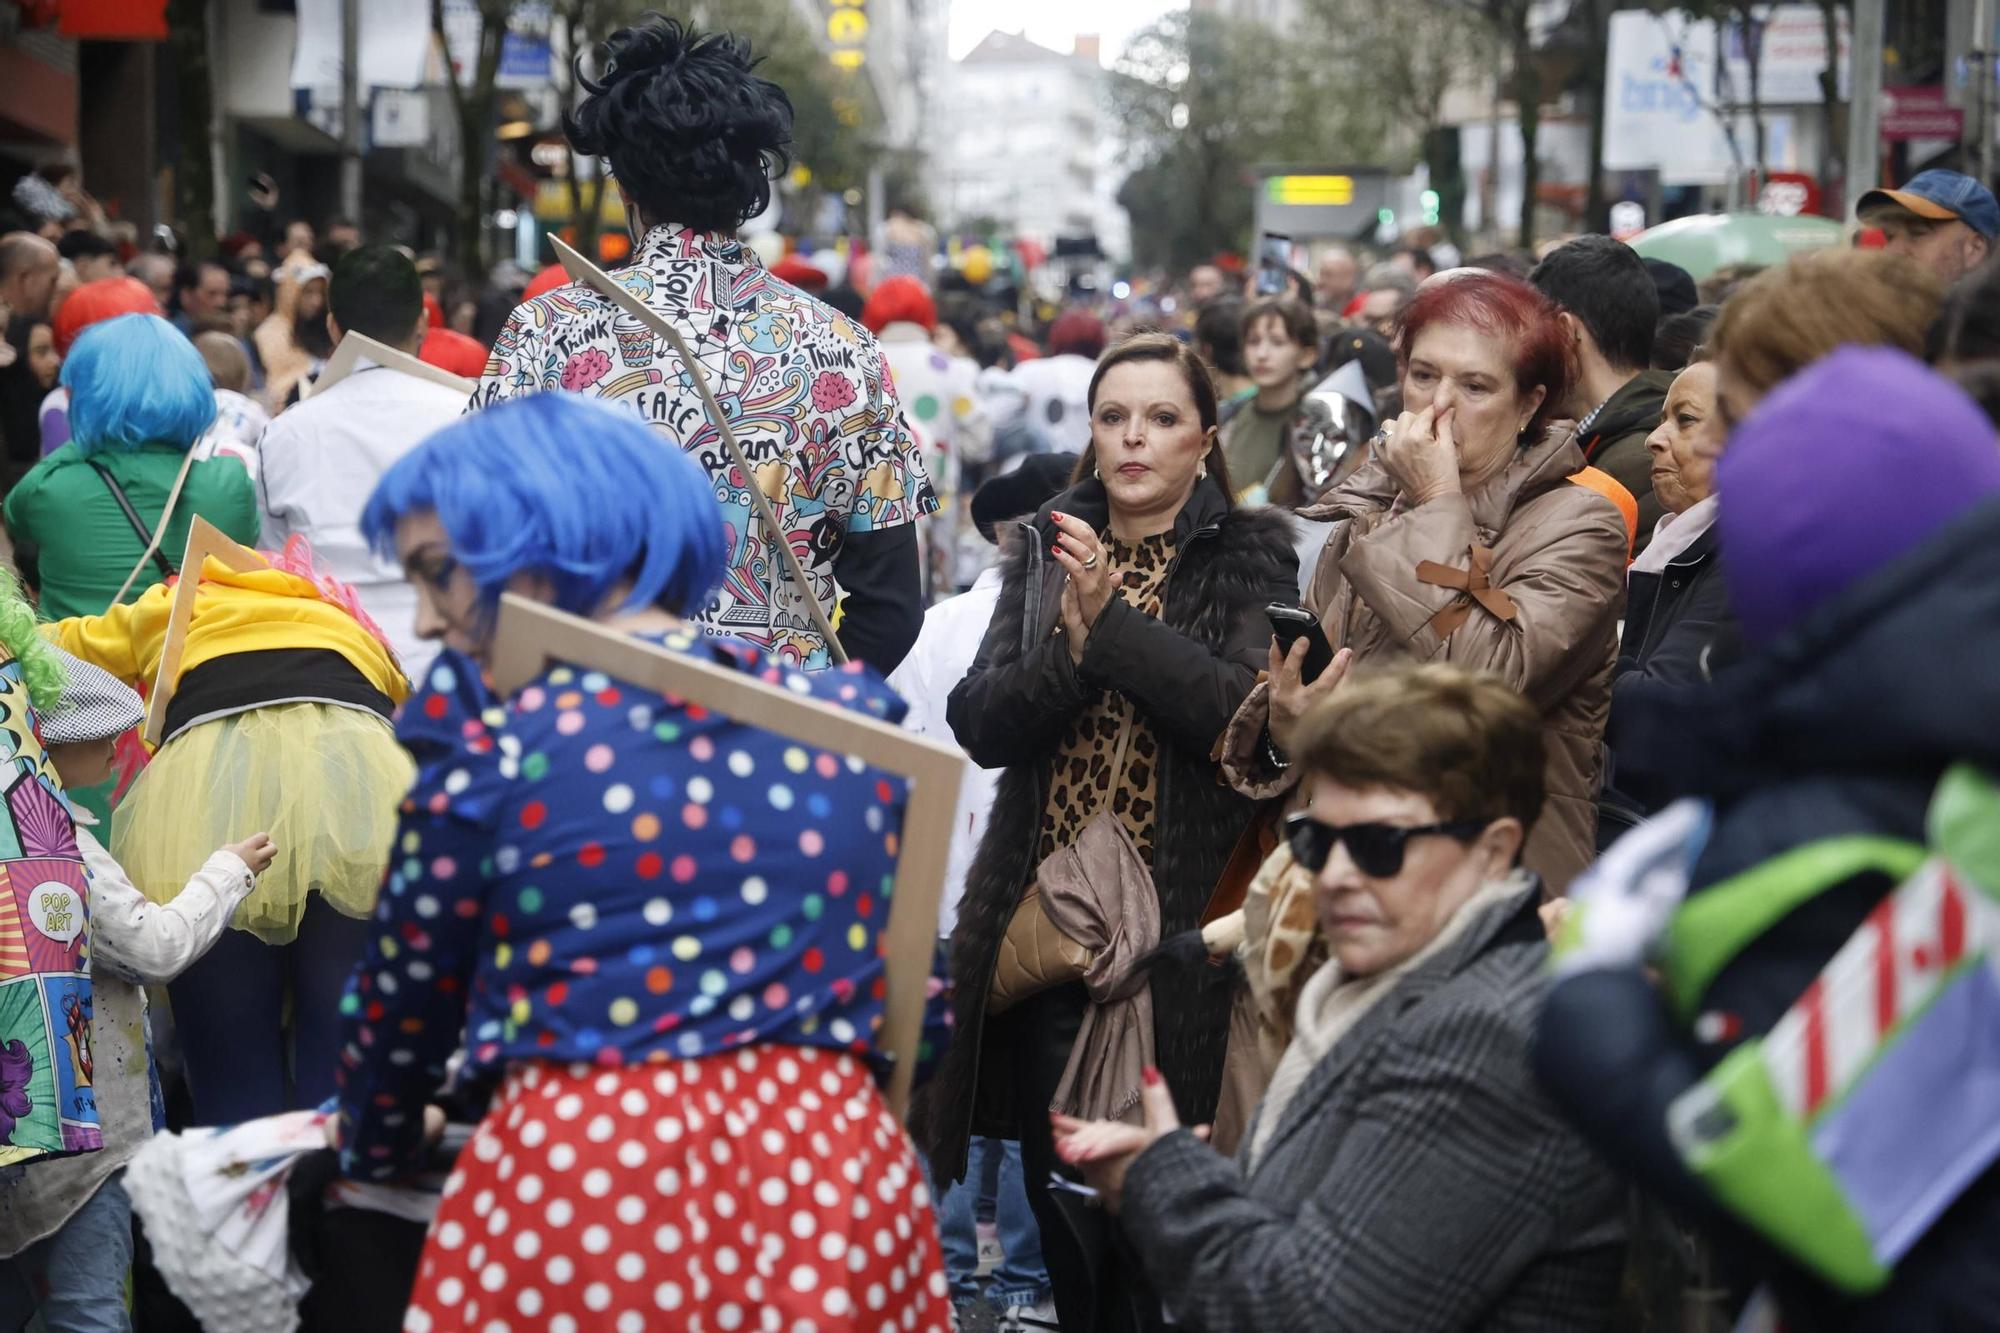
(1429, 198)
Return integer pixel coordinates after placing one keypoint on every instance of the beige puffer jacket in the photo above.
(1392, 585)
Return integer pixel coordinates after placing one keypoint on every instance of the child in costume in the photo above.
(65, 1226)
(279, 720)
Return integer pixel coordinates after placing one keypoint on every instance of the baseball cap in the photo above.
(94, 705)
(1943, 196)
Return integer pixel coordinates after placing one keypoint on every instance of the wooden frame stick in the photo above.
(204, 540)
(591, 275)
(530, 636)
(354, 346)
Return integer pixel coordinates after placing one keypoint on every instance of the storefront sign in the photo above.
(1789, 194)
(1919, 113)
(1310, 189)
(1661, 111)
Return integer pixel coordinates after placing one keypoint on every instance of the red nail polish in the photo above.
(1152, 1077)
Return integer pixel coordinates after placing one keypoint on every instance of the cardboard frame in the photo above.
(204, 540)
(530, 636)
(354, 346)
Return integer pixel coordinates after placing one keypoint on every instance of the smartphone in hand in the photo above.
(1274, 264)
(1289, 624)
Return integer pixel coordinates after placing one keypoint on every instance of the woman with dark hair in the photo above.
(293, 342)
(24, 383)
(1130, 625)
(1465, 541)
(656, 929)
(692, 135)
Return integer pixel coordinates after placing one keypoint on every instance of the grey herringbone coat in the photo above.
(1418, 1182)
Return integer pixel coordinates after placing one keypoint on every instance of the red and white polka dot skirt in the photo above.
(765, 1189)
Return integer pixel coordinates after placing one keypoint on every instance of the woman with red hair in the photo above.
(1463, 540)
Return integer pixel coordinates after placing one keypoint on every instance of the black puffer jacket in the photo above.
(1186, 672)
(1679, 633)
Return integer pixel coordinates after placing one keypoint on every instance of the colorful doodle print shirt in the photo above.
(594, 873)
(47, 1103)
(807, 391)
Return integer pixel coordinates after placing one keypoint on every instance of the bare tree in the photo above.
(472, 100)
(1407, 57)
(194, 173)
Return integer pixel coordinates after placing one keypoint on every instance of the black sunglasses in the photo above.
(1375, 849)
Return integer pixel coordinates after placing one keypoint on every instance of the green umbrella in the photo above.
(1709, 241)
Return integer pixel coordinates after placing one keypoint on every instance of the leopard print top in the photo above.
(1082, 775)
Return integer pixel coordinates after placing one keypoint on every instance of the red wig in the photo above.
(550, 278)
(1505, 308)
(1077, 333)
(453, 351)
(95, 302)
(800, 273)
(899, 300)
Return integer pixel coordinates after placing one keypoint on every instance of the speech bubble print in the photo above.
(56, 910)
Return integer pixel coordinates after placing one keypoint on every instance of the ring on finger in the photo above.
(1092, 562)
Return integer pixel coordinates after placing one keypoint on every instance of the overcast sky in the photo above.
(1054, 23)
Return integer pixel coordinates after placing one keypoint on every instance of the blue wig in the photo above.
(583, 493)
(136, 380)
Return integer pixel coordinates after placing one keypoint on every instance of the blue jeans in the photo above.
(1020, 1279)
(76, 1278)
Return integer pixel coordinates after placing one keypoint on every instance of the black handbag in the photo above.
(160, 559)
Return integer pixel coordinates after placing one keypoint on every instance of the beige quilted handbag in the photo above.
(1035, 955)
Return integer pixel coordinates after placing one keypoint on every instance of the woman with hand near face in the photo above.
(1464, 541)
(1132, 605)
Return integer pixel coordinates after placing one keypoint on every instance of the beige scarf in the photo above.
(1331, 1004)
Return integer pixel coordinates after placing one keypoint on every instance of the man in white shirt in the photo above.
(322, 457)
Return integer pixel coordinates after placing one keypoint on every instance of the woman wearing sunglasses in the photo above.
(1404, 1170)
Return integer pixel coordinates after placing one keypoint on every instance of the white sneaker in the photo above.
(1036, 1318)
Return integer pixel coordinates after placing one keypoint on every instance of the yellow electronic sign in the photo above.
(847, 32)
(1309, 189)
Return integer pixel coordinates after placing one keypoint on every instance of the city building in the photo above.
(1024, 152)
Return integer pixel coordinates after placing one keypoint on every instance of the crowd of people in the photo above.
(1445, 742)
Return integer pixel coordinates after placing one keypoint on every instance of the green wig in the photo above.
(22, 638)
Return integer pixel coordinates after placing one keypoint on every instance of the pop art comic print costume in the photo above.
(47, 1104)
(807, 392)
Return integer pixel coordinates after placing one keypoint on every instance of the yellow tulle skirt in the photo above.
(324, 781)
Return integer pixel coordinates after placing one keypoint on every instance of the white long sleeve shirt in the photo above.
(321, 460)
(944, 651)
